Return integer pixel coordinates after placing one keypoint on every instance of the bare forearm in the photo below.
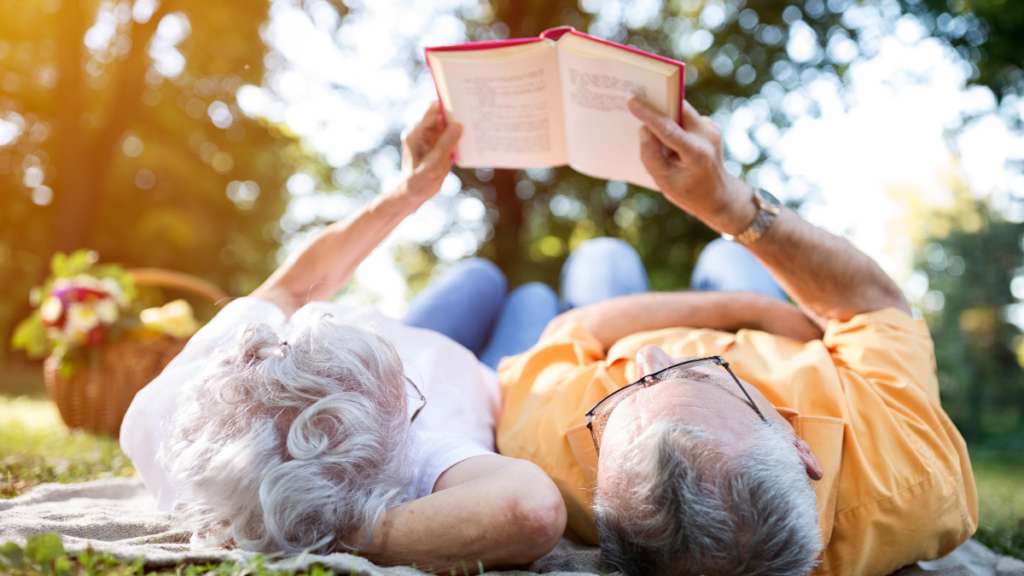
(826, 275)
(489, 509)
(329, 258)
(326, 261)
(611, 320)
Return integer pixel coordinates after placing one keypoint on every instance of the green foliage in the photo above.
(986, 33)
(42, 552)
(137, 169)
(970, 264)
(1009, 541)
(30, 336)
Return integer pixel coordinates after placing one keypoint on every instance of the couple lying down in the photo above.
(717, 431)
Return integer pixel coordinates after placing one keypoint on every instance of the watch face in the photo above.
(766, 198)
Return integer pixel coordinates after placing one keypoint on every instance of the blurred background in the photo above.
(211, 137)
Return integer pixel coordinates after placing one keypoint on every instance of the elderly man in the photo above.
(756, 437)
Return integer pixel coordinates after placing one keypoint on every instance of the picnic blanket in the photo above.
(119, 516)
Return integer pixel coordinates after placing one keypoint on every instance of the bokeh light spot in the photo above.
(132, 147)
(222, 162)
(42, 196)
(145, 179)
(220, 114)
(301, 184)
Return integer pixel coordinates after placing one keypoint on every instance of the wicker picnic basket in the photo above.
(96, 399)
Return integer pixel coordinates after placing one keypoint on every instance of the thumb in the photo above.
(652, 153)
(445, 145)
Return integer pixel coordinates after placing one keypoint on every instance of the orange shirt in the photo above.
(898, 485)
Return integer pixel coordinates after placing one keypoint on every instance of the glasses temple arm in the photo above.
(744, 390)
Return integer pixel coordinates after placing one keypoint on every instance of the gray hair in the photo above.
(691, 509)
(292, 445)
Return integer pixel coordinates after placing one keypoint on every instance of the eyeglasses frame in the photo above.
(718, 360)
(407, 379)
(422, 398)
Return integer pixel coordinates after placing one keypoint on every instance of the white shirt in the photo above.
(463, 399)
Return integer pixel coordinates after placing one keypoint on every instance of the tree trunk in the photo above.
(75, 189)
(508, 252)
(507, 232)
(84, 163)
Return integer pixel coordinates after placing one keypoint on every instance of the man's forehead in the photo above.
(700, 373)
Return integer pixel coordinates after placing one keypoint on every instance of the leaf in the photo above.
(58, 264)
(62, 566)
(117, 272)
(44, 547)
(30, 336)
(12, 556)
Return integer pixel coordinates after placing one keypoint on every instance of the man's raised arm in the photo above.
(824, 274)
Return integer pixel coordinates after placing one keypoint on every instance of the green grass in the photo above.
(44, 555)
(1000, 482)
(36, 447)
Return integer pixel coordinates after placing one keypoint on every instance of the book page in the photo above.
(509, 103)
(602, 136)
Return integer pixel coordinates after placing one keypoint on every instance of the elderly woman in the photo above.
(288, 424)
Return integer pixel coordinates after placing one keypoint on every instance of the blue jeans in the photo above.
(470, 303)
(725, 266)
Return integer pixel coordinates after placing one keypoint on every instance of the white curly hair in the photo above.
(292, 439)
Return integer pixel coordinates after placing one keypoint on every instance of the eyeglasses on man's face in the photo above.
(597, 417)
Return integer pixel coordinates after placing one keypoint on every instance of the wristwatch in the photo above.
(768, 207)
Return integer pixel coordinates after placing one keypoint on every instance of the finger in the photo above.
(691, 118)
(430, 121)
(652, 152)
(442, 150)
(421, 144)
(664, 128)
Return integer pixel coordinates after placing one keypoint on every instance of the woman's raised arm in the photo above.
(325, 262)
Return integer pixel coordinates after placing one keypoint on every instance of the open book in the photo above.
(554, 100)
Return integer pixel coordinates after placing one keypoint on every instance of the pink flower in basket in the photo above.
(79, 308)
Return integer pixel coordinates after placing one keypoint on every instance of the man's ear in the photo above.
(807, 457)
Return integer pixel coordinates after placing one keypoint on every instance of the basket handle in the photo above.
(179, 281)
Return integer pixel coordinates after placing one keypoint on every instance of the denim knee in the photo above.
(605, 247)
(599, 269)
(483, 271)
(536, 293)
(728, 266)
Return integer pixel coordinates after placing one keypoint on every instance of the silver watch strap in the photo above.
(757, 228)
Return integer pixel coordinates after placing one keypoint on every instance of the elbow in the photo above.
(889, 295)
(539, 514)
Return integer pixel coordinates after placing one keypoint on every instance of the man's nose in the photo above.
(650, 359)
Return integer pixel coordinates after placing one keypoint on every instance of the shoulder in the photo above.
(886, 345)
